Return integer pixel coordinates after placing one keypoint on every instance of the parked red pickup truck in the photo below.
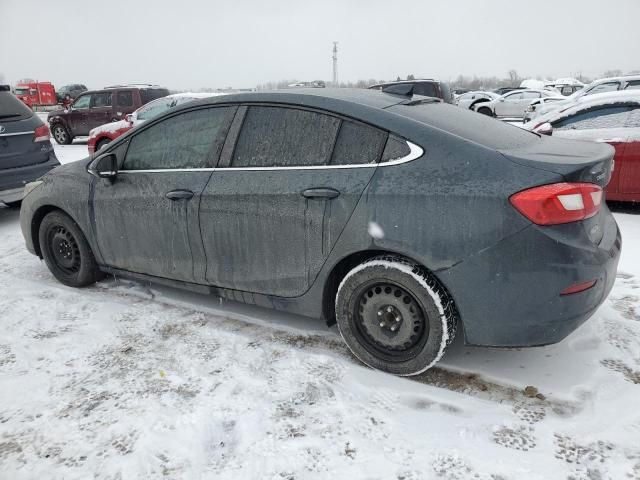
(36, 93)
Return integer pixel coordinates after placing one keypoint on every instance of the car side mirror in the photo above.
(544, 129)
(502, 99)
(129, 118)
(105, 166)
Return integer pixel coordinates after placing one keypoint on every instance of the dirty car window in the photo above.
(181, 141)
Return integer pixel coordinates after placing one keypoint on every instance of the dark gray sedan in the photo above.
(401, 218)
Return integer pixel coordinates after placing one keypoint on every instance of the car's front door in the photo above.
(508, 104)
(279, 200)
(100, 111)
(76, 117)
(146, 220)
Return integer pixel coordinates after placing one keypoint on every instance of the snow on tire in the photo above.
(395, 316)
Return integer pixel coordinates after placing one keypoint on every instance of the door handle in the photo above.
(327, 193)
(179, 195)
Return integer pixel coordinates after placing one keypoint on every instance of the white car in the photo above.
(513, 104)
(629, 82)
(470, 99)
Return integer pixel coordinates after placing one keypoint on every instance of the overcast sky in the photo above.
(207, 43)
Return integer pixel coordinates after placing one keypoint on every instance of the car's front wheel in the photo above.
(66, 252)
(395, 316)
(61, 135)
(102, 143)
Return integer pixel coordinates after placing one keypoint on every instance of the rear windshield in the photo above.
(149, 94)
(12, 109)
(473, 126)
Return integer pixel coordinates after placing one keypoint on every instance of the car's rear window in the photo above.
(12, 109)
(473, 126)
(149, 94)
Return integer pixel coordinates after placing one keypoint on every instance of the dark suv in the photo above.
(25, 150)
(98, 107)
(424, 87)
(72, 90)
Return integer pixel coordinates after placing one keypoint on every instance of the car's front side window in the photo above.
(604, 87)
(82, 102)
(603, 117)
(189, 140)
(284, 137)
(513, 96)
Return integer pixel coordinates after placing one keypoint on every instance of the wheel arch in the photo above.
(345, 265)
(36, 221)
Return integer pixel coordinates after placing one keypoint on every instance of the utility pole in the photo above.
(335, 64)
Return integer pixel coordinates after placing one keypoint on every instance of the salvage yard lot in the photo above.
(126, 380)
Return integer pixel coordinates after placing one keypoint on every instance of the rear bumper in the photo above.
(13, 180)
(509, 295)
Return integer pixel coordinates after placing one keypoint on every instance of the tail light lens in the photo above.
(558, 203)
(41, 134)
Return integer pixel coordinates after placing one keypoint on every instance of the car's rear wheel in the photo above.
(485, 111)
(61, 135)
(102, 143)
(395, 316)
(66, 252)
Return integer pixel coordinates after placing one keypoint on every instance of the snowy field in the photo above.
(129, 381)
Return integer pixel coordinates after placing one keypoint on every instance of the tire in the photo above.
(419, 316)
(66, 252)
(102, 143)
(485, 111)
(61, 135)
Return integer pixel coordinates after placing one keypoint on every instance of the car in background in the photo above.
(347, 205)
(566, 86)
(26, 152)
(612, 84)
(97, 107)
(72, 90)
(503, 90)
(102, 135)
(531, 110)
(470, 99)
(512, 104)
(612, 118)
(36, 94)
(423, 87)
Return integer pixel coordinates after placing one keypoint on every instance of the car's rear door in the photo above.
(287, 183)
(146, 220)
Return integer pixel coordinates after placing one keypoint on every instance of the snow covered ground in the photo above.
(125, 380)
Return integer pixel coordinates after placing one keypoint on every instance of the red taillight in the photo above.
(558, 203)
(41, 134)
(578, 287)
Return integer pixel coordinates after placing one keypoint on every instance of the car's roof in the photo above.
(590, 101)
(400, 82)
(406, 116)
(316, 96)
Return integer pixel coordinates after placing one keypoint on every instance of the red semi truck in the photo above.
(36, 94)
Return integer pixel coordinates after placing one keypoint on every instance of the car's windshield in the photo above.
(154, 108)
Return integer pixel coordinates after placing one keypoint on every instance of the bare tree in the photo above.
(612, 73)
(514, 78)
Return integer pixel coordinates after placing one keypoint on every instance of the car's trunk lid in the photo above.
(576, 161)
(17, 146)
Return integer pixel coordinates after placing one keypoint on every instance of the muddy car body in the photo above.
(401, 218)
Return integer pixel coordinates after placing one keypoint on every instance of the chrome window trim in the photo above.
(415, 152)
(16, 133)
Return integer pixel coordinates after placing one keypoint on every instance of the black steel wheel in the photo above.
(485, 111)
(66, 252)
(395, 316)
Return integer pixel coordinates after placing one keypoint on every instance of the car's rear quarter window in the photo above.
(357, 144)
